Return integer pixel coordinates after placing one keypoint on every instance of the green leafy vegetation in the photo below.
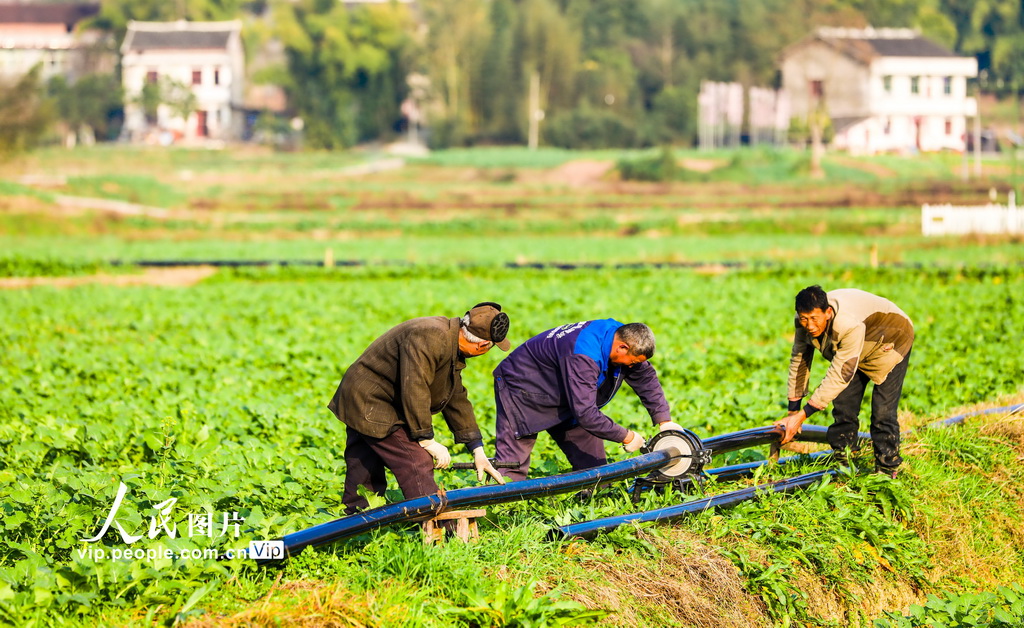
(1000, 609)
(214, 395)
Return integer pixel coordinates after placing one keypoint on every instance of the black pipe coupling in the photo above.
(690, 463)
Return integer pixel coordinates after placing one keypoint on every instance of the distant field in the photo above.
(481, 206)
(210, 387)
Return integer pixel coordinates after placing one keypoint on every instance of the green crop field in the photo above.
(214, 394)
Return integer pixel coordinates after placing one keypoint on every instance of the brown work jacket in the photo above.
(405, 377)
(868, 333)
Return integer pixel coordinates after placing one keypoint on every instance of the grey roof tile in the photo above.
(178, 39)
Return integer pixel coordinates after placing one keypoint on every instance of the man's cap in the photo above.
(487, 321)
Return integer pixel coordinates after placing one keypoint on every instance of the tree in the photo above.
(175, 95)
(91, 107)
(1008, 61)
(497, 99)
(549, 49)
(456, 34)
(25, 114)
(178, 97)
(114, 15)
(339, 60)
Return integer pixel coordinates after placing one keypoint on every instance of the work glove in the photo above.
(483, 465)
(669, 425)
(438, 452)
(633, 442)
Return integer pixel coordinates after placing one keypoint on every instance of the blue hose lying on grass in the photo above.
(422, 508)
(590, 529)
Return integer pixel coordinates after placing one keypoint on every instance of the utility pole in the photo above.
(535, 113)
(977, 132)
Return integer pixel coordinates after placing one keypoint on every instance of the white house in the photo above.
(49, 35)
(884, 89)
(204, 57)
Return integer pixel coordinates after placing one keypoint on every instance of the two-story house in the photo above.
(884, 89)
(204, 57)
(49, 35)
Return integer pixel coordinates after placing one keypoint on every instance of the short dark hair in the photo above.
(811, 298)
(638, 337)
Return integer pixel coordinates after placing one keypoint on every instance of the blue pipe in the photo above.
(960, 418)
(421, 508)
(589, 529)
(766, 435)
(727, 442)
(746, 469)
(425, 507)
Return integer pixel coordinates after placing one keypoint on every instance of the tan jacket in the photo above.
(404, 377)
(868, 333)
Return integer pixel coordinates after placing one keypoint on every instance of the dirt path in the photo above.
(169, 277)
(578, 173)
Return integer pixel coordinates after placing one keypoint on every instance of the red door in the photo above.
(201, 130)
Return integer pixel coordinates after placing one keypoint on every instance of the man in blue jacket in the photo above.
(558, 380)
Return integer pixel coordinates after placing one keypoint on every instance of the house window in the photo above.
(152, 76)
(949, 126)
(947, 85)
(887, 83)
(817, 89)
(197, 77)
(915, 84)
(216, 76)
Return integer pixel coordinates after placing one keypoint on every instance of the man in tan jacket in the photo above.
(387, 398)
(867, 339)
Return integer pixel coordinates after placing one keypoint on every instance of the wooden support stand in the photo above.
(465, 525)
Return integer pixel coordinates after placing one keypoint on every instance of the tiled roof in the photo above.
(916, 47)
(179, 35)
(867, 44)
(149, 40)
(38, 13)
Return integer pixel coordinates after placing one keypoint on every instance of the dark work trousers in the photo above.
(366, 458)
(583, 449)
(885, 426)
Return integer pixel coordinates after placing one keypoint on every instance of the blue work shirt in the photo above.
(564, 374)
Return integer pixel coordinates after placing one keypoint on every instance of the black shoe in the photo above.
(889, 473)
(843, 457)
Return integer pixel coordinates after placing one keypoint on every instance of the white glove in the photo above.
(633, 442)
(438, 452)
(483, 465)
(669, 425)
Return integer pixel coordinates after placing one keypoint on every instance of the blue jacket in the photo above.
(564, 374)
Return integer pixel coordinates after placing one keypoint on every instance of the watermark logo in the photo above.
(199, 524)
(266, 550)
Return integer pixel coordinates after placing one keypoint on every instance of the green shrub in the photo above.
(659, 167)
(447, 132)
(16, 266)
(590, 128)
(1002, 609)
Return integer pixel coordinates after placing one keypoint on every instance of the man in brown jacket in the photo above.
(867, 339)
(388, 396)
